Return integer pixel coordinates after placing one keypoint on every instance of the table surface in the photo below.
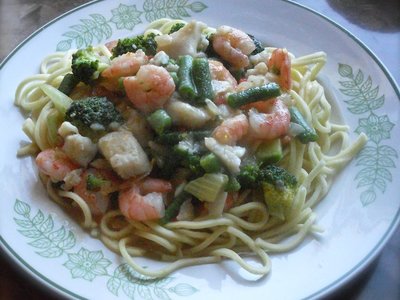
(376, 23)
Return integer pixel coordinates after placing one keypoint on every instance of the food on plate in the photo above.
(186, 144)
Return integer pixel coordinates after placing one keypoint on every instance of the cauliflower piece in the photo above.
(71, 179)
(184, 114)
(160, 59)
(79, 148)
(262, 56)
(259, 69)
(66, 129)
(125, 154)
(229, 155)
(185, 41)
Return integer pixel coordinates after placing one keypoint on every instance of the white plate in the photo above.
(359, 214)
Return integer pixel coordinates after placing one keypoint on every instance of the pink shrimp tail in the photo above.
(280, 62)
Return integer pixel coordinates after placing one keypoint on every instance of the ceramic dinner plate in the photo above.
(358, 215)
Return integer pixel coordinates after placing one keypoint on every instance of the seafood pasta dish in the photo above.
(186, 144)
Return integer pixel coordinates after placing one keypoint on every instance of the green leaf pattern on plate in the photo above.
(97, 28)
(50, 243)
(90, 265)
(376, 159)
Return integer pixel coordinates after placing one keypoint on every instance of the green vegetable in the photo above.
(146, 43)
(208, 187)
(269, 151)
(174, 76)
(93, 116)
(186, 87)
(172, 210)
(61, 101)
(233, 185)
(279, 188)
(54, 120)
(176, 27)
(248, 176)
(257, 43)
(68, 84)
(253, 94)
(87, 65)
(210, 163)
(174, 137)
(309, 134)
(188, 153)
(160, 121)
(202, 79)
(94, 183)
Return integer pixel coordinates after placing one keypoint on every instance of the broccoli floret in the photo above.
(188, 152)
(248, 176)
(94, 183)
(93, 116)
(279, 187)
(87, 65)
(148, 44)
(176, 27)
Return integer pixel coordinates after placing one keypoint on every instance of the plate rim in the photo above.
(44, 282)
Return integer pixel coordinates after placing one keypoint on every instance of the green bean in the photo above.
(173, 209)
(186, 87)
(254, 94)
(160, 121)
(68, 84)
(202, 79)
(309, 134)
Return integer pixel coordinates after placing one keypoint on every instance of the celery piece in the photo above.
(207, 187)
(54, 120)
(269, 152)
(216, 208)
(61, 101)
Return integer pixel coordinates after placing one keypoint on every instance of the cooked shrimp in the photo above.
(233, 45)
(271, 123)
(150, 89)
(143, 201)
(231, 130)
(222, 81)
(220, 73)
(55, 164)
(279, 63)
(98, 199)
(125, 65)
